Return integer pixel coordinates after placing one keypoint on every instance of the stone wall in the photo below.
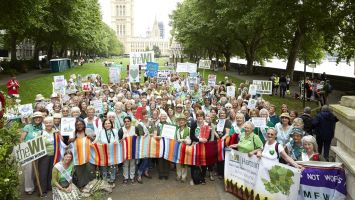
(345, 136)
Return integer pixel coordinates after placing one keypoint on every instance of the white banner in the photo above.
(168, 131)
(204, 64)
(230, 91)
(29, 151)
(67, 126)
(59, 82)
(254, 178)
(263, 87)
(141, 58)
(186, 67)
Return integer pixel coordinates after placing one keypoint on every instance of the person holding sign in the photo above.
(129, 166)
(273, 150)
(92, 122)
(107, 135)
(261, 131)
(45, 163)
(62, 176)
(249, 142)
(182, 135)
(29, 132)
(163, 165)
(222, 131)
(200, 132)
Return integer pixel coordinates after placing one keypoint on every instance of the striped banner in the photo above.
(139, 147)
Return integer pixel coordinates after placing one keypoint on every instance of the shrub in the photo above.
(9, 173)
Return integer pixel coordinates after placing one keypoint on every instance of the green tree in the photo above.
(157, 52)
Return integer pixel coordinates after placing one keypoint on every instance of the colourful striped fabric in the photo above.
(142, 147)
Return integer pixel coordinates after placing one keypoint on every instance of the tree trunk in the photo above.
(50, 51)
(227, 55)
(293, 51)
(13, 40)
(36, 54)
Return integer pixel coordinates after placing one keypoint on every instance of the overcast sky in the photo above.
(144, 13)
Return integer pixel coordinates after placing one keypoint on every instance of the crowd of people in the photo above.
(202, 113)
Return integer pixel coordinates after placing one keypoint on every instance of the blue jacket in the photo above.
(324, 125)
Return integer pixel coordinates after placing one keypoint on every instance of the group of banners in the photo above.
(140, 147)
(253, 178)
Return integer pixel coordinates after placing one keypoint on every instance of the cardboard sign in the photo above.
(114, 74)
(152, 69)
(230, 91)
(252, 89)
(25, 110)
(220, 125)
(141, 58)
(59, 82)
(204, 64)
(259, 121)
(181, 67)
(263, 87)
(98, 105)
(251, 103)
(169, 131)
(67, 126)
(29, 151)
(86, 87)
(134, 74)
(192, 67)
(163, 75)
(212, 79)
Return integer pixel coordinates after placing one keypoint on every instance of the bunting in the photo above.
(139, 147)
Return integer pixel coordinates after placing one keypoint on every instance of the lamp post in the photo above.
(304, 81)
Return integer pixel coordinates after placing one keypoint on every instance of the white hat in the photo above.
(39, 97)
(54, 95)
(57, 115)
(37, 114)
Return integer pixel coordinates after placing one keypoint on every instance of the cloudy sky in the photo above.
(144, 13)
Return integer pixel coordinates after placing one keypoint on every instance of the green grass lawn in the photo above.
(43, 84)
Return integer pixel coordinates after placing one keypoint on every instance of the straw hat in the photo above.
(37, 114)
(285, 115)
(39, 97)
(57, 115)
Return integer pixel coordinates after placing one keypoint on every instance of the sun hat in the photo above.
(39, 97)
(54, 95)
(57, 115)
(180, 117)
(179, 105)
(285, 115)
(37, 114)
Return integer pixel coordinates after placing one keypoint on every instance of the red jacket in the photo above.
(2, 105)
(13, 87)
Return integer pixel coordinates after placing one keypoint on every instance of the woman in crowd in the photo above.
(273, 150)
(200, 132)
(261, 131)
(283, 129)
(29, 132)
(294, 147)
(57, 120)
(129, 166)
(83, 106)
(92, 123)
(107, 135)
(65, 111)
(183, 136)
(145, 128)
(45, 163)
(293, 115)
(310, 152)
(222, 131)
(298, 123)
(163, 165)
(119, 113)
(249, 142)
(62, 179)
(84, 173)
(237, 126)
(75, 112)
(284, 108)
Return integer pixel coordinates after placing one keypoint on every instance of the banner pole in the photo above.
(37, 177)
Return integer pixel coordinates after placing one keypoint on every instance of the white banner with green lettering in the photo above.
(254, 178)
(29, 151)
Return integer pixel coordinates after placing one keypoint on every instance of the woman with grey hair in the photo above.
(261, 131)
(249, 142)
(310, 147)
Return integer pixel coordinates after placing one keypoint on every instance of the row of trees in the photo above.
(261, 29)
(56, 26)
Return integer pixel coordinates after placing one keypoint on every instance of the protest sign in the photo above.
(168, 131)
(253, 178)
(220, 125)
(25, 110)
(141, 58)
(86, 87)
(114, 74)
(322, 180)
(251, 103)
(98, 105)
(152, 69)
(29, 151)
(230, 91)
(191, 67)
(259, 121)
(192, 81)
(204, 64)
(263, 87)
(181, 67)
(212, 80)
(67, 126)
(134, 74)
(163, 75)
(59, 82)
(252, 89)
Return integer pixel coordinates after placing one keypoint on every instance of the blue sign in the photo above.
(152, 69)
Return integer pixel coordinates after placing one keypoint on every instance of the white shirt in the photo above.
(269, 151)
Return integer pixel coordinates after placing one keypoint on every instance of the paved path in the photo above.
(24, 76)
(155, 189)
